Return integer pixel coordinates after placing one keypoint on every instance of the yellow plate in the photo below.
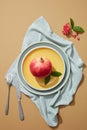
(57, 63)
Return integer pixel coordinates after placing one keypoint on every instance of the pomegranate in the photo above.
(40, 67)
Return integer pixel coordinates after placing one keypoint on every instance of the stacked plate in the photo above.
(59, 62)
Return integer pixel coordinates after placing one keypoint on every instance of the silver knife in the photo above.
(21, 114)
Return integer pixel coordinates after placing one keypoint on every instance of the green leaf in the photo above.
(71, 22)
(47, 79)
(78, 29)
(56, 74)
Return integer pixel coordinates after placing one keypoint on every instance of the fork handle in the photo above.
(21, 114)
(7, 101)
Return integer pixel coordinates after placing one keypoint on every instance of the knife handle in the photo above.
(21, 114)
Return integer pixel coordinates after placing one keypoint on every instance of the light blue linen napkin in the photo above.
(49, 105)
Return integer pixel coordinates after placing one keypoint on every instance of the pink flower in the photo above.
(78, 38)
(74, 35)
(66, 29)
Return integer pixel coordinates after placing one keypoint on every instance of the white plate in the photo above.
(57, 62)
(57, 87)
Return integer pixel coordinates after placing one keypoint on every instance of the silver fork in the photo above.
(9, 83)
(7, 100)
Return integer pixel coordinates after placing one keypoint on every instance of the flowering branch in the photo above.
(71, 30)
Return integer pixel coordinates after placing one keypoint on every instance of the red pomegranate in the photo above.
(40, 67)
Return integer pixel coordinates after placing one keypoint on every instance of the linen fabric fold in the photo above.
(48, 105)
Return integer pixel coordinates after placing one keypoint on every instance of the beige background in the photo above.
(15, 17)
